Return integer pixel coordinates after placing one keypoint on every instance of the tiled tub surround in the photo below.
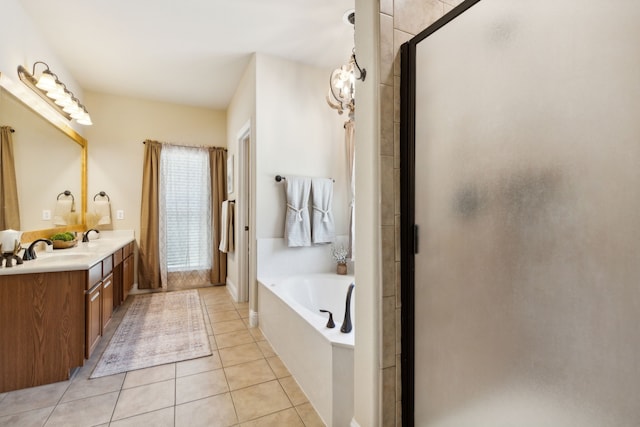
(320, 359)
(244, 383)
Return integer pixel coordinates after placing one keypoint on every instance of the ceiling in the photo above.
(189, 52)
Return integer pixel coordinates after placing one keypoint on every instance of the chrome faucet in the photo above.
(85, 236)
(346, 323)
(30, 252)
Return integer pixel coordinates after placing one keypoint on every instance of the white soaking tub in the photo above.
(319, 358)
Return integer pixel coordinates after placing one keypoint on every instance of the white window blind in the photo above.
(186, 204)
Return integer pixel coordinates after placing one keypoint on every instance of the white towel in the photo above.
(226, 227)
(297, 226)
(102, 209)
(62, 211)
(323, 226)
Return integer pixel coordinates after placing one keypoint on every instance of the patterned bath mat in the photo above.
(156, 329)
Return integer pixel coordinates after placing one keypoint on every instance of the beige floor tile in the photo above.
(217, 308)
(210, 412)
(266, 349)
(84, 412)
(146, 398)
(259, 400)
(286, 418)
(35, 418)
(32, 398)
(228, 326)
(293, 390)
(220, 316)
(248, 374)
(240, 306)
(154, 374)
(161, 418)
(240, 354)
(80, 389)
(200, 385)
(309, 416)
(257, 334)
(201, 364)
(212, 341)
(278, 367)
(231, 339)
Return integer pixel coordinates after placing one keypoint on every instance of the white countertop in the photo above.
(80, 257)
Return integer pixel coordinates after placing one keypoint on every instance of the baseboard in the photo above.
(232, 289)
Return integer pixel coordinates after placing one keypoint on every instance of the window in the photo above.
(185, 208)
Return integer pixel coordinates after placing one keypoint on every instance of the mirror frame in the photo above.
(39, 106)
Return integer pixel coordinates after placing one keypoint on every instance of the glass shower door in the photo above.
(527, 198)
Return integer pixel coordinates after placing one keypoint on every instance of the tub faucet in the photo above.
(346, 323)
(85, 236)
(330, 323)
(30, 252)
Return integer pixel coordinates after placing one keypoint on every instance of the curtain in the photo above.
(149, 256)
(185, 230)
(350, 144)
(218, 166)
(9, 209)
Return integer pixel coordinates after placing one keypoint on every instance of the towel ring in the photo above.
(66, 193)
(102, 194)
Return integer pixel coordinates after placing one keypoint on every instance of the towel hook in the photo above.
(101, 194)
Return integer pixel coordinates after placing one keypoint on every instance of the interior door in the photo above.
(521, 162)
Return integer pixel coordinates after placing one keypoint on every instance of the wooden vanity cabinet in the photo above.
(93, 319)
(98, 302)
(42, 327)
(122, 273)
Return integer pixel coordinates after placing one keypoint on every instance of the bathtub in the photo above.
(320, 359)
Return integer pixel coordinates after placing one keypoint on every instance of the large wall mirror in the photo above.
(50, 158)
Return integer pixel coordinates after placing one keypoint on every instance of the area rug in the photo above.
(156, 329)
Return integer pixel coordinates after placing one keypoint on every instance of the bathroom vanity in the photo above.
(53, 309)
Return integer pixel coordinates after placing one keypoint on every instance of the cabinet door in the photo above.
(127, 276)
(93, 328)
(107, 300)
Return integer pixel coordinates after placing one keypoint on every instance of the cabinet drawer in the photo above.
(95, 275)
(128, 250)
(117, 257)
(107, 265)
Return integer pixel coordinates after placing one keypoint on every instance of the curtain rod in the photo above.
(185, 145)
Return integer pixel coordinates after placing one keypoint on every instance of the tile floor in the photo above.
(243, 383)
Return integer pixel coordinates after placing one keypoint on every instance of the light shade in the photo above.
(47, 81)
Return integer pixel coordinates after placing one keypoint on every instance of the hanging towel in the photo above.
(62, 211)
(322, 225)
(226, 226)
(297, 225)
(102, 209)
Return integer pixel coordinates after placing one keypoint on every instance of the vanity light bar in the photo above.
(55, 93)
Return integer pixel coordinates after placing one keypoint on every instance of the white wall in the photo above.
(23, 45)
(120, 124)
(368, 302)
(241, 112)
(298, 134)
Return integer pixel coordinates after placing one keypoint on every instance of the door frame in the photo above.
(244, 212)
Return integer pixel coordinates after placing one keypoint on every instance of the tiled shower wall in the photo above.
(400, 20)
